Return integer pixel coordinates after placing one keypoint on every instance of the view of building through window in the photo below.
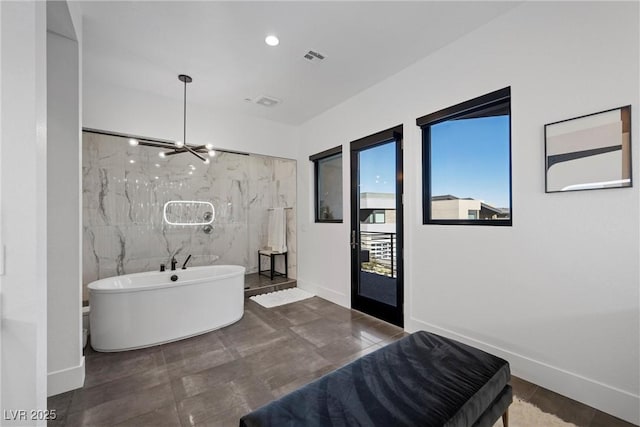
(470, 168)
(378, 210)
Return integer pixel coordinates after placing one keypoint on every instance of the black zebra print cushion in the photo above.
(421, 380)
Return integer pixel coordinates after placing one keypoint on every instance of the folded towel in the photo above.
(277, 238)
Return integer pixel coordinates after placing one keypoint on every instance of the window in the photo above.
(328, 185)
(467, 162)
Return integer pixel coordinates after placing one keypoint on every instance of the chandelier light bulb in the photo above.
(179, 144)
(207, 161)
(161, 154)
(208, 146)
(212, 153)
(133, 142)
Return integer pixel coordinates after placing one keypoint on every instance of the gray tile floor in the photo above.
(213, 379)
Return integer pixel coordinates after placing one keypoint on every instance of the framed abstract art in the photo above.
(589, 152)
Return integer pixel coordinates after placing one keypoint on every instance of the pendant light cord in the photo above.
(184, 134)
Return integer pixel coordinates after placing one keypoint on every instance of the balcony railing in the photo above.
(378, 253)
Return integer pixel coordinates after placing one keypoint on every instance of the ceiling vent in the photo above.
(313, 56)
(267, 101)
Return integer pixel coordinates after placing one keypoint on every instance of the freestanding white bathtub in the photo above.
(145, 309)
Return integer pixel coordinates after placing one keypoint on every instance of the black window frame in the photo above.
(332, 152)
(481, 103)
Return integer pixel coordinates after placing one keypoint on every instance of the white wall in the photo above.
(24, 210)
(557, 293)
(64, 284)
(133, 112)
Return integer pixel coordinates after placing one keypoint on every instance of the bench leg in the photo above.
(505, 418)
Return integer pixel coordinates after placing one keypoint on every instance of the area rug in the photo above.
(524, 414)
(285, 296)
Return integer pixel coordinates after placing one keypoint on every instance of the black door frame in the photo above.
(370, 306)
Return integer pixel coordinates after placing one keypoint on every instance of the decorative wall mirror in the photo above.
(188, 212)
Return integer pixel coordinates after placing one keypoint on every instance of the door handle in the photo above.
(353, 243)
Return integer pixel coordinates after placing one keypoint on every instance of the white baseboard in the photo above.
(325, 293)
(65, 379)
(606, 398)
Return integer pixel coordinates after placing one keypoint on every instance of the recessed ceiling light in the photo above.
(272, 40)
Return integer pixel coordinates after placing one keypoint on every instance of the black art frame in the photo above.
(589, 139)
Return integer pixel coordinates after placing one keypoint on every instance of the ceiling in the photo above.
(144, 45)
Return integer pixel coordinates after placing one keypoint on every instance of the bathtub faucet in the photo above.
(173, 263)
(184, 266)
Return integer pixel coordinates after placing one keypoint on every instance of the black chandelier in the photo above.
(182, 146)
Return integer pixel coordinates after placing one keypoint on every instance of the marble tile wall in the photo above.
(125, 189)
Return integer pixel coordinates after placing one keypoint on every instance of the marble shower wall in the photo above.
(125, 189)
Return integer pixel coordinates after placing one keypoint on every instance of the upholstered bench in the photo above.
(422, 380)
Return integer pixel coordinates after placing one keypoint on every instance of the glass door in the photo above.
(376, 225)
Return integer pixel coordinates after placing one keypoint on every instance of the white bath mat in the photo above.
(285, 296)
